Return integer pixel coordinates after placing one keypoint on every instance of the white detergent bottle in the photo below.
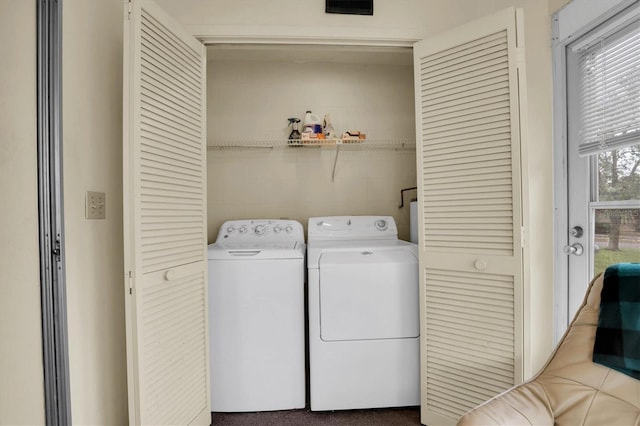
(311, 123)
(327, 128)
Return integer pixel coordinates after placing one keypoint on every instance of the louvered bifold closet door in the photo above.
(165, 220)
(470, 208)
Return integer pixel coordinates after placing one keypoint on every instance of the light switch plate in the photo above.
(95, 207)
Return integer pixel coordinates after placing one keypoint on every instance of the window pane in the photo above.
(619, 174)
(609, 91)
(617, 237)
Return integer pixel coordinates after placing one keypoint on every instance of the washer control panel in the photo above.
(272, 230)
(352, 227)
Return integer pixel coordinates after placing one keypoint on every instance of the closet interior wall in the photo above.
(251, 91)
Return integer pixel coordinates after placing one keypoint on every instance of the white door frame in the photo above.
(574, 20)
(241, 34)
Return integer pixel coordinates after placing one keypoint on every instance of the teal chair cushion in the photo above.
(617, 343)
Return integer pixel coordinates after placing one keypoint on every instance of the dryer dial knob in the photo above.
(243, 229)
(260, 230)
(288, 229)
(231, 229)
(381, 225)
(277, 229)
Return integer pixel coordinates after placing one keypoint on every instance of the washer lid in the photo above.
(254, 250)
(368, 294)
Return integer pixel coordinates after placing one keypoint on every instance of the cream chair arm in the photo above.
(526, 404)
(570, 389)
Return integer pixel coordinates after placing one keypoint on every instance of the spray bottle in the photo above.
(295, 133)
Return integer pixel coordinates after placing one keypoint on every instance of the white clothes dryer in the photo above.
(256, 316)
(364, 326)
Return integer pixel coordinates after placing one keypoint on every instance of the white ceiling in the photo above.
(310, 54)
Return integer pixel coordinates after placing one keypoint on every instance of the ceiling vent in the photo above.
(350, 7)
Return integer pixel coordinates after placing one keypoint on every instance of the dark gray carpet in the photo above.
(373, 417)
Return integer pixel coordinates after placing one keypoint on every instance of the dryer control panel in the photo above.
(352, 227)
(260, 230)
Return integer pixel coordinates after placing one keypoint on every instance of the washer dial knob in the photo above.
(231, 229)
(381, 225)
(277, 229)
(288, 229)
(243, 230)
(260, 230)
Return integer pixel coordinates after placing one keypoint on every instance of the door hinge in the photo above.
(130, 282)
(56, 251)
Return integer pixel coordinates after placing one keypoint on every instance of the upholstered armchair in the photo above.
(570, 389)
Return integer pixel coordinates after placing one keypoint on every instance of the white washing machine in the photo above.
(256, 316)
(364, 326)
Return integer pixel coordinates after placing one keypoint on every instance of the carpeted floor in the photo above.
(374, 417)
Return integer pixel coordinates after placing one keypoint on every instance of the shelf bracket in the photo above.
(335, 160)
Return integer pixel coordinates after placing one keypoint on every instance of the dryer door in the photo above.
(368, 294)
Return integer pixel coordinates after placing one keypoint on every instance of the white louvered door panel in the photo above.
(165, 220)
(468, 132)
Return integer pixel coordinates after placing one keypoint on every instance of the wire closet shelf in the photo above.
(342, 144)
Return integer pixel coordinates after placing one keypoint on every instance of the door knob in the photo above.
(575, 249)
(480, 264)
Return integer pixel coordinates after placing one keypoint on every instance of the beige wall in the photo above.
(92, 146)
(391, 19)
(21, 377)
(310, 13)
(251, 100)
(92, 160)
(556, 5)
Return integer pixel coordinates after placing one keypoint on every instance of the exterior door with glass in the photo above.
(603, 149)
